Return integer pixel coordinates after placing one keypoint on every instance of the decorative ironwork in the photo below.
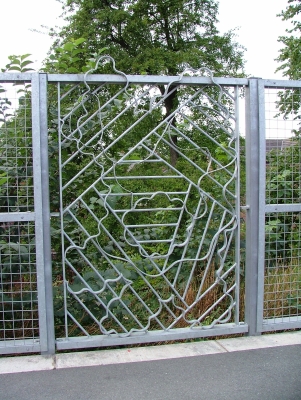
(149, 244)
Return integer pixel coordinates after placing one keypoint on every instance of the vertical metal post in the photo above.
(237, 208)
(46, 214)
(42, 212)
(254, 129)
(261, 203)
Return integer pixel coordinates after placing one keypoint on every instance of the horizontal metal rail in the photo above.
(270, 208)
(20, 346)
(145, 79)
(284, 84)
(149, 337)
(12, 77)
(281, 323)
(17, 216)
(9, 77)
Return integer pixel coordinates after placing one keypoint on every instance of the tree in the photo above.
(290, 53)
(154, 37)
(289, 58)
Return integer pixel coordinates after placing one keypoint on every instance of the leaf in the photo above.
(74, 59)
(116, 188)
(109, 249)
(118, 103)
(100, 202)
(16, 247)
(68, 46)
(14, 60)
(3, 180)
(101, 51)
(72, 70)
(15, 68)
(110, 274)
(25, 56)
(79, 41)
(90, 275)
(76, 287)
(63, 65)
(27, 62)
(77, 51)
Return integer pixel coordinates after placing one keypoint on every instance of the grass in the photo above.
(282, 298)
(282, 290)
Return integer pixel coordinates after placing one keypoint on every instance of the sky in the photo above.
(258, 30)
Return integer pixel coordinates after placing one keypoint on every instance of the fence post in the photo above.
(42, 212)
(255, 183)
(46, 214)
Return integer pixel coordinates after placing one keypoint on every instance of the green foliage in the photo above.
(155, 37)
(284, 166)
(290, 62)
(17, 242)
(18, 63)
(290, 54)
(72, 57)
(152, 37)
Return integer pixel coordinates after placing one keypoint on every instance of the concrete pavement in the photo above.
(266, 367)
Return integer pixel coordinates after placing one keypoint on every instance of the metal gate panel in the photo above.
(24, 226)
(149, 209)
(280, 274)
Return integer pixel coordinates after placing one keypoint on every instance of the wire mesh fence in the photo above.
(282, 284)
(19, 304)
(18, 278)
(16, 150)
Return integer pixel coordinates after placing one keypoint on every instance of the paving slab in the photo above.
(137, 354)
(10, 365)
(261, 342)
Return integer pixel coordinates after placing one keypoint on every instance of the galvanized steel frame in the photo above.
(255, 208)
(170, 334)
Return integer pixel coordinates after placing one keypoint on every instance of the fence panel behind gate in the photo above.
(25, 317)
(279, 267)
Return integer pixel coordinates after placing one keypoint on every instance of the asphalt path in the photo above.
(263, 374)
